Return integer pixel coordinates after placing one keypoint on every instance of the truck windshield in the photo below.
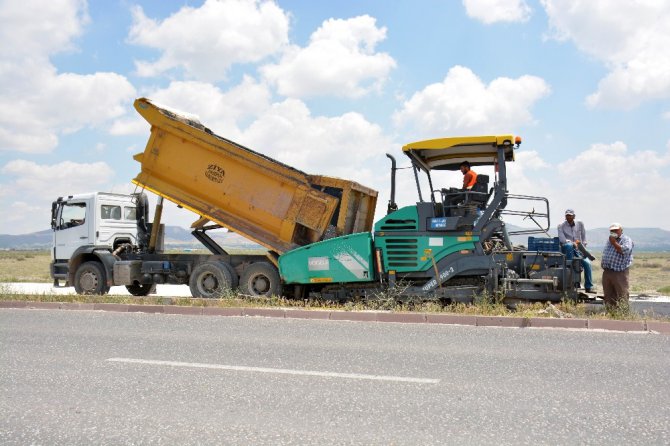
(72, 214)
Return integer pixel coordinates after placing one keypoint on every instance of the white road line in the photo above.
(278, 371)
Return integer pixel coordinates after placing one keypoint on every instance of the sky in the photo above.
(331, 87)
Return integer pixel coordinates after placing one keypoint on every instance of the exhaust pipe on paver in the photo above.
(392, 206)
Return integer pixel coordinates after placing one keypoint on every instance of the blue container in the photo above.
(543, 244)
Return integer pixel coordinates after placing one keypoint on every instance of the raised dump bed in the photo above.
(273, 204)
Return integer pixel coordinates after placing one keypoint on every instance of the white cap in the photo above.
(615, 226)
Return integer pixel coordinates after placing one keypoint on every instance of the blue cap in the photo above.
(569, 212)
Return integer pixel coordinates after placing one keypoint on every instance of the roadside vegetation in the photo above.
(25, 266)
(650, 276)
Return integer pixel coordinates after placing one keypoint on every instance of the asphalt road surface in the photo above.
(80, 378)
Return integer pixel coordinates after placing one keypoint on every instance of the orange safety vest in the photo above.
(469, 179)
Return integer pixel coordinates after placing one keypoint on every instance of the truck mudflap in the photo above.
(342, 259)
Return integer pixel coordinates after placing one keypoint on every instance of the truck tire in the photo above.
(140, 289)
(90, 279)
(210, 280)
(235, 280)
(260, 279)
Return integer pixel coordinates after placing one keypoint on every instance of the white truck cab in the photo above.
(99, 219)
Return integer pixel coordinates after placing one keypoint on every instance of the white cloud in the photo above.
(222, 111)
(462, 103)
(530, 159)
(527, 174)
(492, 11)
(22, 138)
(34, 27)
(61, 178)
(285, 130)
(340, 60)
(217, 109)
(630, 38)
(206, 41)
(133, 125)
(37, 104)
(611, 183)
(31, 120)
(337, 145)
(14, 216)
(40, 184)
(620, 174)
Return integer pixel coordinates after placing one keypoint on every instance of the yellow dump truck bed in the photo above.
(273, 204)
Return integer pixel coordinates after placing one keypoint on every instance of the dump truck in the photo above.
(102, 239)
(318, 231)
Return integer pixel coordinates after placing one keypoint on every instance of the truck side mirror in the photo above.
(54, 208)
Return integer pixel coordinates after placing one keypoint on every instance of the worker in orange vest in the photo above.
(469, 176)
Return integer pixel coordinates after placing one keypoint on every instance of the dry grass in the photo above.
(559, 310)
(24, 266)
(649, 275)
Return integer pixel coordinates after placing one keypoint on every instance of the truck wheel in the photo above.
(210, 280)
(90, 279)
(140, 289)
(235, 280)
(260, 279)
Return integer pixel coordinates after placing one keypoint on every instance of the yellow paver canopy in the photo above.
(449, 153)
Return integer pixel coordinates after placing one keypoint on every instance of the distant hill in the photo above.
(176, 237)
(645, 239)
(36, 240)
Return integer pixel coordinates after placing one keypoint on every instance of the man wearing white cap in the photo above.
(571, 233)
(616, 262)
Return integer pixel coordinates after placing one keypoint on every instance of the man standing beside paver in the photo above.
(616, 262)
